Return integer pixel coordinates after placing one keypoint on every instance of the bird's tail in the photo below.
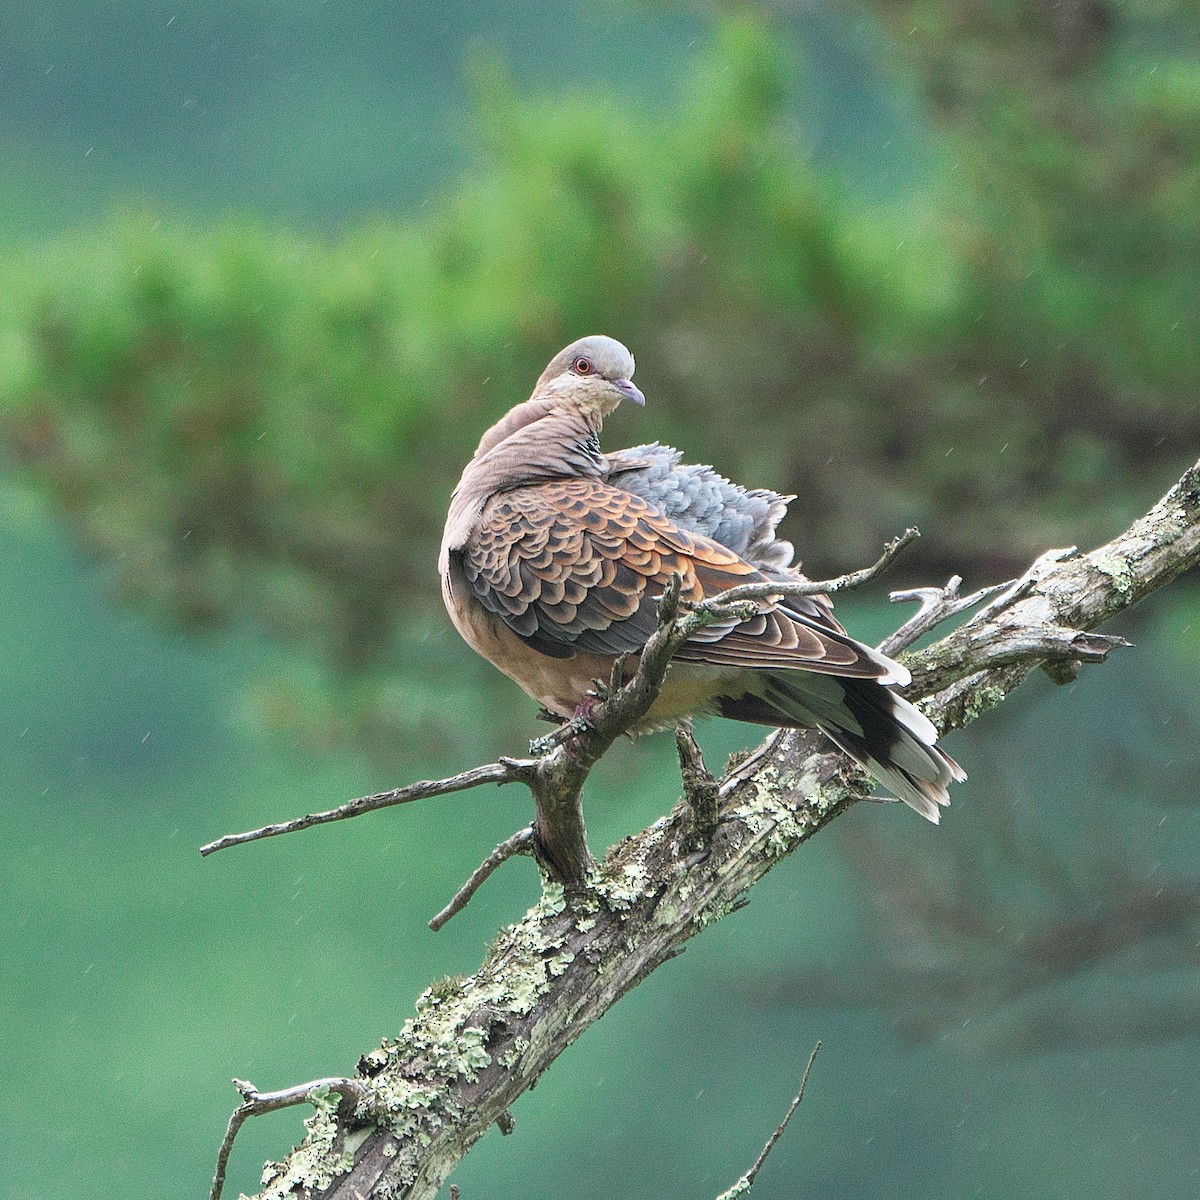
(878, 728)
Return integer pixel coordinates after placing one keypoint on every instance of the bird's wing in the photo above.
(701, 500)
(578, 565)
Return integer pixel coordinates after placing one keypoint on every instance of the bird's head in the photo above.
(594, 374)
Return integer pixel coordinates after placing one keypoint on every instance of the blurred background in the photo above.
(266, 273)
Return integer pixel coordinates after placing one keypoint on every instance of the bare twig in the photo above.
(746, 1182)
(699, 785)
(521, 842)
(937, 605)
(255, 1103)
(1044, 562)
(504, 771)
(940, 604)
(569, 729)
(855, 579)
(726, 605)
(970, 649)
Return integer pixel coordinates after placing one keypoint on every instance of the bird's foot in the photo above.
(604, 689)
(570, 728)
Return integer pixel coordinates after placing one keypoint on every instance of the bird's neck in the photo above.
(535, 442)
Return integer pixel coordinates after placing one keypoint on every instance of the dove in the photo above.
(555, 554)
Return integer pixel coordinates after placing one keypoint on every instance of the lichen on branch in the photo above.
(477, 1043)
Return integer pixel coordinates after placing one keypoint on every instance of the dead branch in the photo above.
(746, 1182)
(476, 1045)
(937, 606)
(504, 771)
(351, 1094)
(556, 775)
(521, 842)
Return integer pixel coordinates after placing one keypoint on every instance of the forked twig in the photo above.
(507, 770)
(1019, 587)
(623, 707)
(255, 1103)
(726, 605)
(937, 605)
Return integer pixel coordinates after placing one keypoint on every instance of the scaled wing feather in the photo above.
(578, 564)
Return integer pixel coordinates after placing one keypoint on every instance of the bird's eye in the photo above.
(583, 366)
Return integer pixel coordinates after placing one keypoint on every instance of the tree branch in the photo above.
(521, 842)
(937, 605)
(504, 771)
(478, 1043)
(746, 1182)
(350, 1092)
(557, 774)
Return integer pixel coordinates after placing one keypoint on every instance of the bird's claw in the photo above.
(564, 733)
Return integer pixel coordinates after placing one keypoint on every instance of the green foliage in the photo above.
(242, 419)
(250, 419)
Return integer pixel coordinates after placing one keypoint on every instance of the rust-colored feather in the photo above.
(582, 563)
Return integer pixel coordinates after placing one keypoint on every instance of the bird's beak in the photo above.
(630, 391)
